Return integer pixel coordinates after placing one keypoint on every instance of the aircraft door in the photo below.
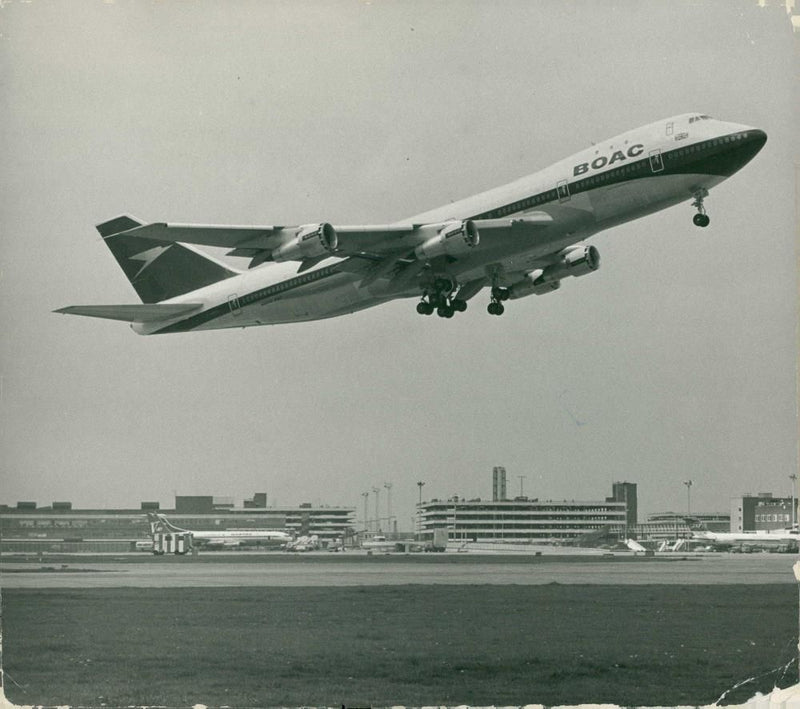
(234, 305)
(656, 161)
(562, 189)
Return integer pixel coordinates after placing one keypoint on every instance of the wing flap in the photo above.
(139, 313)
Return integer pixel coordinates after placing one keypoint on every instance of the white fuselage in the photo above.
(775, 536)
(224, 537)
(624, 178)
(251, 535)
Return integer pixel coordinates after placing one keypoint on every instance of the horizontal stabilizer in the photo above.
(139, 313)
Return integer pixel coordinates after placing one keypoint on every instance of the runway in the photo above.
(321, 571)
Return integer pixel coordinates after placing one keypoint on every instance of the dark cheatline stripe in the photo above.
(718, 156)
(248, 299)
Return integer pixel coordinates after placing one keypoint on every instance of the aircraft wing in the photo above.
(313, 242)
(231, 237)
(140, 313)
(245, 239)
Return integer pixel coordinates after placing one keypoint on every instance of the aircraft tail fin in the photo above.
(159, 523)
(159, 270)
(695, 525)
(168, 526)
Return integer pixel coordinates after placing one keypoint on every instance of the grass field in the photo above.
(413, 645)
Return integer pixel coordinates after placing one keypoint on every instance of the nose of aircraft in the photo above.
(756, 137)
(754, 140)
(741, 150)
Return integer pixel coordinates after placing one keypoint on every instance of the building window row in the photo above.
(773, 518)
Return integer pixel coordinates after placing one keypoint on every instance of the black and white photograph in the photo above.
(371, 353)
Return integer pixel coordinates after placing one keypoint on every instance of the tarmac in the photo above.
(212, 569)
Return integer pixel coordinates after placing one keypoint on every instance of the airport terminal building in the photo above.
(60, 528)
(524, 520)
(762, 512)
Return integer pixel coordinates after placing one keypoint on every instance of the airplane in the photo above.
(790, 535)
(304, 543)
(159, 524)
(379, 543)
(518, 240)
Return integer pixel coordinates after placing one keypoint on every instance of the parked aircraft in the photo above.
(379, 543)
(159, 524)
(304, 543)
(518, 240)
(790, 535)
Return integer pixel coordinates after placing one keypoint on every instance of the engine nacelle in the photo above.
(454, 239)
(575, 261)
(532, 285)
(310, 241)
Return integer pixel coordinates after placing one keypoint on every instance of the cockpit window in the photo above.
(692, 119)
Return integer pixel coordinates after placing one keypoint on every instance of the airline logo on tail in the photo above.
(159, 270)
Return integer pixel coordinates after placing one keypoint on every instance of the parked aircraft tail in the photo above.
(695, 525)
(159, 270)
(159, 523)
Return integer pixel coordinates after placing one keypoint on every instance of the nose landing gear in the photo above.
(700, 219)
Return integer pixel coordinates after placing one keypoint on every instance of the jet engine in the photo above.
(574, 261)
(310, 241)
(454, 239)
(578, 261)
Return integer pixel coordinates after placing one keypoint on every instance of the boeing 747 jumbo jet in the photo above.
(517, 240)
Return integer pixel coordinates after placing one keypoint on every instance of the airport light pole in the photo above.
(420, 485)
(377, 492)
(688, 484)
(455, 512)
(521, 478)
(793, 478)
(365, 495)
(388, 487)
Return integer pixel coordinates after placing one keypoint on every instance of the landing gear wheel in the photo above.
(495, 308)
(458, 305)
(424, 308)
(701, 218)
(444, 311)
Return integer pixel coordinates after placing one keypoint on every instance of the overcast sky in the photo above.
(675, 361)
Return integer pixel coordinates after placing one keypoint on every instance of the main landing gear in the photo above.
(440, 299)
(700, 219)
(496, 307)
